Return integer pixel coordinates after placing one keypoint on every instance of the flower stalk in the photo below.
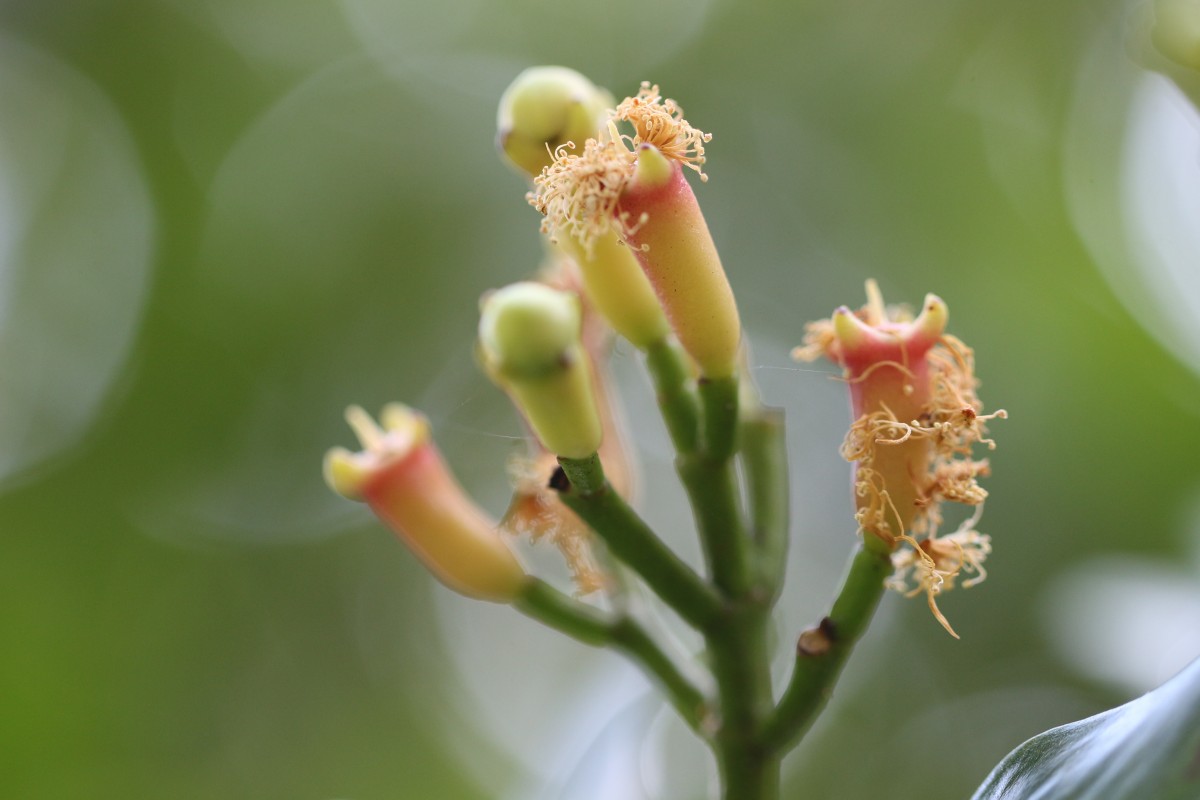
(616, 199)
(585, 624)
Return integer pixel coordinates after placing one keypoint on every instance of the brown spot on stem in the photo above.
(817, 641)
(559, 481)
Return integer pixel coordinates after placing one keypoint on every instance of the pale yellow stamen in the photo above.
(819, 340)
(866, 373)
(578, 193)
(369, 434)
(659, 122)
(875, 313)
(934, 564)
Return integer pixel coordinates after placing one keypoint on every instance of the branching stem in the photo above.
(586, 491)
(589, 625)
(822, 651)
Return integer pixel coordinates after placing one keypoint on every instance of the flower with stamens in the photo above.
(659, 122)
(401, 475)
(545, 108)
(553, 109)
(530, 345)
(634, 185)
(577, 193)
(888, 373)
(549, 110)
(917, 421)
(581, 192)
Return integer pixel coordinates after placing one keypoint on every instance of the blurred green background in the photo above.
(221, 221)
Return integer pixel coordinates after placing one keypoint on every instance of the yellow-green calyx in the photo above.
(401, 475)
(619, 290)
(530, 344)
(543, 109)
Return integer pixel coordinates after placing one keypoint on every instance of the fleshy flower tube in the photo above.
(917, 418)
(401, 475)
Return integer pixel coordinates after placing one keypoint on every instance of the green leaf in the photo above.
(1148, 748)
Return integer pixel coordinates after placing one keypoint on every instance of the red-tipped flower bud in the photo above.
(401, 475)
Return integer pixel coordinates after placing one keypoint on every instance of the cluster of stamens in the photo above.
(578, 193)
(659, 122)
(933, 566)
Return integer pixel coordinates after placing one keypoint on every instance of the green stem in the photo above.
(740, 662)
(710, 480)
(629, 538)
(764, 463)
(631, 638)
(737, 647)
(747, 734)
(719, 400)
(822, 651)
(588, 625)
(713, 493)
(753, 775)
(672, 377)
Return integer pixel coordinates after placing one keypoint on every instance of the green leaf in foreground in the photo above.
(1147, 748)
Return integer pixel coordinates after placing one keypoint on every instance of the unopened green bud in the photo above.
(526, 328)
(530, 343)
(1176, 31)
(543, 109)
